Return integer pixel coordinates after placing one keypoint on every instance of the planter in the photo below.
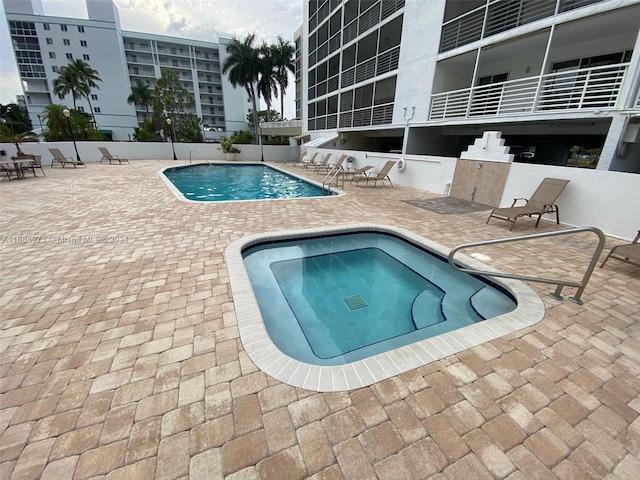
(231, 156)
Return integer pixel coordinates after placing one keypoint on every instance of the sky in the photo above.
(194, 19)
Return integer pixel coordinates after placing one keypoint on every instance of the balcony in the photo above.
(582, 90)
(499, 16)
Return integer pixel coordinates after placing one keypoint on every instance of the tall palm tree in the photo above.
(283, 54)
(67, 83)
(77, 78)
(141, 94)
(243, 68)
(88, 79)
(267, 83)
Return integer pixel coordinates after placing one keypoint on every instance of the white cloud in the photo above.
(198, 19)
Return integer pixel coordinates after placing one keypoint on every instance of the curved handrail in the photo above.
(195, 151)
(559, 283)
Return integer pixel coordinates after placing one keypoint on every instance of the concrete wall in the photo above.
(153, 150)
(604, 199)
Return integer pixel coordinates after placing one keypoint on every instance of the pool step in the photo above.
(425, 310)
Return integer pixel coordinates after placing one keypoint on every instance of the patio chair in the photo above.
(330, 167)
(322, 164)
(297, 161)
(628, 253)
(382, 175)
(541, 202)
(58, 157)
(362, 171)
(310, 161)
(106, 155)
(35, 162)
(10, 169)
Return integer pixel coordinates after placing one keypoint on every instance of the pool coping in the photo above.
(178, 194)
(361, 373)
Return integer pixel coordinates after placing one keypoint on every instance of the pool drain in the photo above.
(354, 302)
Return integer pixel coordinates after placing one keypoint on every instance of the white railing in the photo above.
(589, 88)
(284, 124)
(501, 15)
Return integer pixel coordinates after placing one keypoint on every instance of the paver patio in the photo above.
(120, 356)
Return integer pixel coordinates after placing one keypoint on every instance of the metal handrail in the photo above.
(332, 174)
(195, 151)
(559, 283)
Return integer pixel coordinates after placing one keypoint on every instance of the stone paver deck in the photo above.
(120, 356)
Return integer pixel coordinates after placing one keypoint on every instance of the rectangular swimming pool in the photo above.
(217, 182)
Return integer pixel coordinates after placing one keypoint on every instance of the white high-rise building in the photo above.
(559, 78)
(42, 44)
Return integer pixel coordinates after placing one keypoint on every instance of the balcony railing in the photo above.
(590, 88)
(499, 16)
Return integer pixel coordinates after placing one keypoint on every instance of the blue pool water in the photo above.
(336, 299)
(221, 181)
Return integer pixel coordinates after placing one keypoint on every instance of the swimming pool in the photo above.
(346, 360)
(248, 181)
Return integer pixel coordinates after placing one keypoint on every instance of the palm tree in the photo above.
(284, 63)
(141, 94)
(267, 83)
(88, 78)
(77, 78)
(67, 83)
(7, 135)
(243, 67)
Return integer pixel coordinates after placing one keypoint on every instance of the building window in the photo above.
(80, 29)
(96, 109)
(85, 57)
(83, 43)
(52, 54)
(81, 109)
(63, 27)
(69, 56)
(66, 41)
(46, 26)
(55, 69)
(49, 41)
(94, 96)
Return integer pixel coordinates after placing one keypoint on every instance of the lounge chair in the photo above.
(322, 164)
(58, 157)
(10, 169)
(330, 167)
(296, 161)
(541, 202)
(34, 161)
(106, 155)
(362, 171)
(382, 175)
(311, 161)
(628, 253)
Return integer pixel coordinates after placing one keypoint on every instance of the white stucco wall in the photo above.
(152, 150)
(603, 199)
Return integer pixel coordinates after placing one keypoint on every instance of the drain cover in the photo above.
(354, 302)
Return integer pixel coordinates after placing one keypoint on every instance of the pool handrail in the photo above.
(559, 283)
(195, 151)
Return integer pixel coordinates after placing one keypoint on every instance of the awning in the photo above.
(320, 141)
(302, 137)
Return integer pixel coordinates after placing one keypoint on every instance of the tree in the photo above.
(16, 117)
(141, 94)
(17, 138)
(57, 126)
(267, 84)
(170, 100)
(242, 66)
(274, 115)
(78, 79)
(283, 56)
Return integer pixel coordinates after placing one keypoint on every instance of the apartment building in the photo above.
(559, 78)
(42, 44)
